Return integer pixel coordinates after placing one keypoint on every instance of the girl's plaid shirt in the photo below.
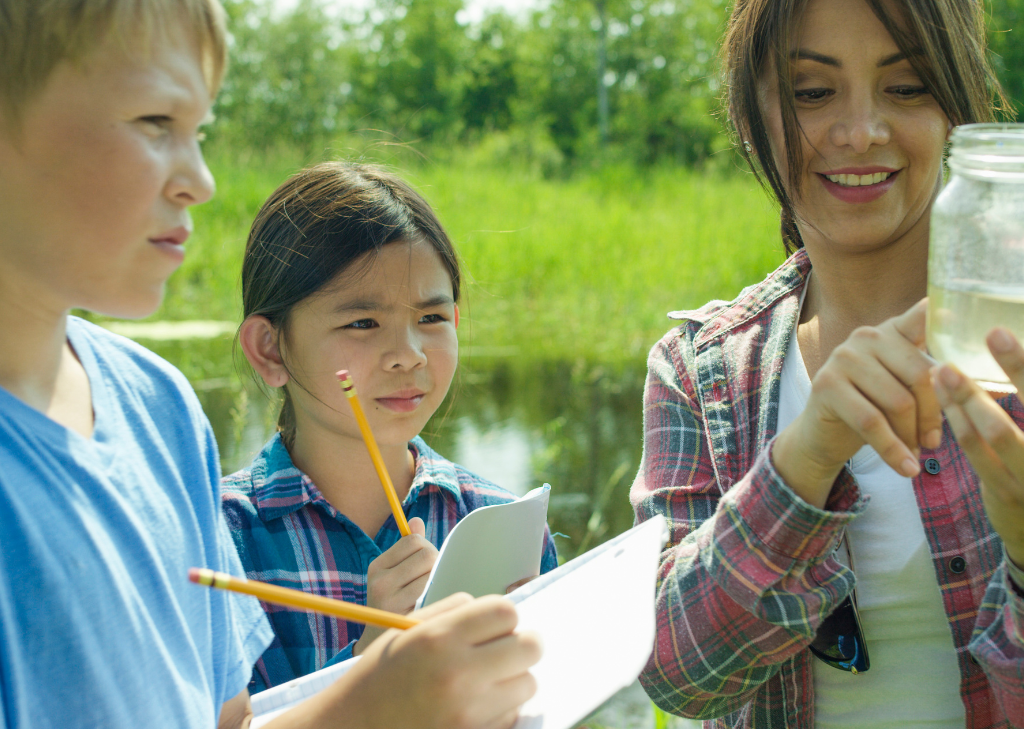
(748, 574)
(288, 534)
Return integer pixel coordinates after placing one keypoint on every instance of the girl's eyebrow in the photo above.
(359, 305)
(435, 301)
(372, 305)
(802, 54)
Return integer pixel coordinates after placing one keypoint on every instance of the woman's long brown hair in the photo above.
(944, 40)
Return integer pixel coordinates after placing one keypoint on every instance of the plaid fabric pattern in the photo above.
(748, 576)
(287, 534)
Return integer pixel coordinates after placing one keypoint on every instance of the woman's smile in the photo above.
(859, 184)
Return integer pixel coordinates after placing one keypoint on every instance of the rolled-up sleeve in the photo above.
(998, 641)
(748, 574)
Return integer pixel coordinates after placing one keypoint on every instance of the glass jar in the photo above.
(976, 251)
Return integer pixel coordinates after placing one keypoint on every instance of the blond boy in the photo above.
(108, 468)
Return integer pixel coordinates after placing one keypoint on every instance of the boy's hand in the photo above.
(396, 578)
(461, 668)
(992, 441)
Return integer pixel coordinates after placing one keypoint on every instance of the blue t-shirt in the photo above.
(99, 625)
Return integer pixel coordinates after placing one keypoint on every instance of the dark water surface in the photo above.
(574, 424)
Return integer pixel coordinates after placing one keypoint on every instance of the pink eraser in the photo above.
(341, 374)
(193, 574)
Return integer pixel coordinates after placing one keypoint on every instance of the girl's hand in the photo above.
(992, 441)
(874, 389)
(397, 578)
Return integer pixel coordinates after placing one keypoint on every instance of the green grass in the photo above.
(555, 268)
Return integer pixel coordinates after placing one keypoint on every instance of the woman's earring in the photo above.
(746, 147)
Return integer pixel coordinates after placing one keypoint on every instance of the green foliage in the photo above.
(287, 78)
(556, 267)
(412, 71)
(523, 90)
(1006, 39)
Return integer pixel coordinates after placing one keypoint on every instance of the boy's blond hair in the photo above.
(36, 35)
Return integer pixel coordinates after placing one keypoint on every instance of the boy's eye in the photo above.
(432, 319)
(361, 324)
(157, 120)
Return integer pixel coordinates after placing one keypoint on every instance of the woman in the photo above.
(803, 411)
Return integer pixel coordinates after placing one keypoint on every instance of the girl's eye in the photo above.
(432, 319)
(812, 94)
(361, 324)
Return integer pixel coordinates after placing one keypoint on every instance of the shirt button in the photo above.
(931, 465)
(958, 564)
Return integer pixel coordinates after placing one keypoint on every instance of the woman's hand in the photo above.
(992, 441)
(874, 389)
(396, 578)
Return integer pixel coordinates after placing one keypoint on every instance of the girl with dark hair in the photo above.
(348, 267)
(834, 560)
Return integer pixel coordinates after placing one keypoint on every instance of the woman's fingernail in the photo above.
(950, 376)
(1000, 341)
(910, 467)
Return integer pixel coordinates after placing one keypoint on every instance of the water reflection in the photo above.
(576, 425)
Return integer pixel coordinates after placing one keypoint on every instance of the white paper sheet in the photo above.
(595, 616)
(491, 548)
(267, 705)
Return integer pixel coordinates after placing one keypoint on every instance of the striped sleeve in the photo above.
(747, 576)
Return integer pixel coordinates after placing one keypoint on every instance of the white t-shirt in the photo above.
(914, 680)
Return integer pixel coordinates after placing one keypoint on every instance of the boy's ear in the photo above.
(456, 316)
(259, 340)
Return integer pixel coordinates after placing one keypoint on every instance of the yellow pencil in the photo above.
(371, 445)
(301, 600)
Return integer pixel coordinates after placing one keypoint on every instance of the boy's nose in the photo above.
(192, 183)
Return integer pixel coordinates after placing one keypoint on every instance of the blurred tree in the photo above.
(409, 68)
(1006, 38)
(491, 81)
(287, 77)
(660, 76)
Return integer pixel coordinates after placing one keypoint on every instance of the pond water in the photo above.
(574, 424)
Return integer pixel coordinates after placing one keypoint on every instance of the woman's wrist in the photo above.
(808, 479)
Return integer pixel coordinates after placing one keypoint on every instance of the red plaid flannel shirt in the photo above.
(748, 575)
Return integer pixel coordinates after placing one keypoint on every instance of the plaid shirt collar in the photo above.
(281, 489)
(753, 302)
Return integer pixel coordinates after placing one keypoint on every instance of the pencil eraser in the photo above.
(345, 379)
(193, 574)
